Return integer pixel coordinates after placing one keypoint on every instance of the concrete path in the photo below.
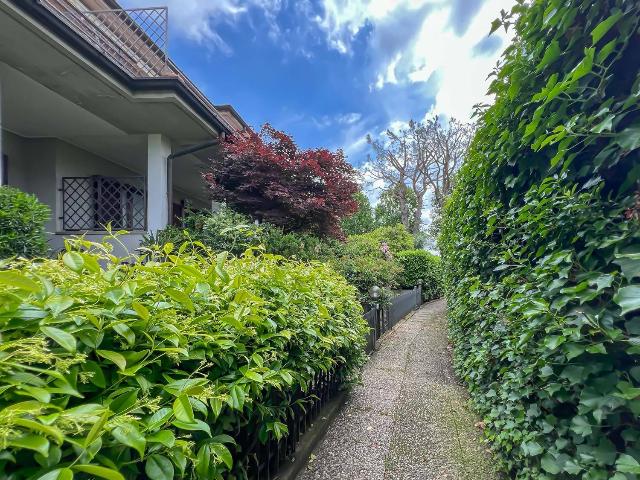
(409, 419)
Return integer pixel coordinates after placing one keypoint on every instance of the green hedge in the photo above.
(541, 246)
(22, 219)
(154, 369)
(421, 265)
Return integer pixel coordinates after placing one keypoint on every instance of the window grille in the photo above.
(90, 203)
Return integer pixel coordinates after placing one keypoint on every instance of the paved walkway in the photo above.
(409, 419)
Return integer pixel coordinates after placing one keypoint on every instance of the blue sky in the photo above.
(332, 71)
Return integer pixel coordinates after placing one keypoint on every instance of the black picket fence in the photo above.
(383, 318)
(264, 461)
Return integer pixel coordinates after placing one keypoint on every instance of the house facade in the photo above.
(97, 121)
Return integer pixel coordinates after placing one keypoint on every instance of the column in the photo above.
(2, 165)
(158, 149)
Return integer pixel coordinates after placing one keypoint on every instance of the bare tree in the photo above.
(423, 158)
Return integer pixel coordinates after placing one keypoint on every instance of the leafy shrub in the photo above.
(22, 219)
(155, 369)
(396, 237)
(362, 220)
(541, 247)
(365, 271)
(226, 230)
(421, 265)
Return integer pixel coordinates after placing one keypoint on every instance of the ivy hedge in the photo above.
(155, 369)
(421, 265)
(541, 245)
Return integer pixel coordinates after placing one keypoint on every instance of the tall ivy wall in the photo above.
(541, 246)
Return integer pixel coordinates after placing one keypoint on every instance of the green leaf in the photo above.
(256, 377)
(58, 304)
(182, 409)
(37, 427)
(495, 25)
(222, 453)
(141, 310)
(604, 26)
(585, 66)
(629, 138)
(203, 462)
(73, 260)
(627, 464)
(181, 298)
(31, 442)
(99, 471)
(581, 426)
(164, 437)
(62, 338)
(159, 418)
(236, 397)
(115, 357)
(129, 435)
(15, 279)
(549, 464)
(58, 474)
(554, 341)
(196, 425)
(126, 332)
(628, 298)
(159, 467)
(551, 54)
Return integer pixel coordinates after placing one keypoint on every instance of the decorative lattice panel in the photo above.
(91, 203)
(135, 38)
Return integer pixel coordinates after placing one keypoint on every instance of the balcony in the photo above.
(135, 39)
(91, 203)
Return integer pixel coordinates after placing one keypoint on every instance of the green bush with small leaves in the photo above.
(541, 246)
(22, 219)
(157, 367)
(421, 265)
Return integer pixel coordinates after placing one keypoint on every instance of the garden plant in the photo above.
(541, 246)
(22, 219)
(157, 367)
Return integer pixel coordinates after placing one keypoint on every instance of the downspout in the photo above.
(181, 153)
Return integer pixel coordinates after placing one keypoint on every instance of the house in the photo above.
(97, 121)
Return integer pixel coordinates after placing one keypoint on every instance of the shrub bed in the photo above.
(421, 265)
(155, 369)
(541, 247)
(22, 219)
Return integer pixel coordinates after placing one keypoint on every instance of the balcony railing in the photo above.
(136, 39)
(91, 203)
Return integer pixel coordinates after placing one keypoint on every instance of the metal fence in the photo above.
(265, 460)
(90, 203)
(381, 319)
(136, 39)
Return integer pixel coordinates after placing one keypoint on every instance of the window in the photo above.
(91, 203)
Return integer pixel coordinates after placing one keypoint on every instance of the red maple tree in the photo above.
(266, 176)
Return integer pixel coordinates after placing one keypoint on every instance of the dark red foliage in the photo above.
(267, 176)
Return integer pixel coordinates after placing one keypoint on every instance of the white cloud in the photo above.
(348, 118)
(417, 40)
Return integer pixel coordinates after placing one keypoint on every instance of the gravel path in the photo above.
(409, 419)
